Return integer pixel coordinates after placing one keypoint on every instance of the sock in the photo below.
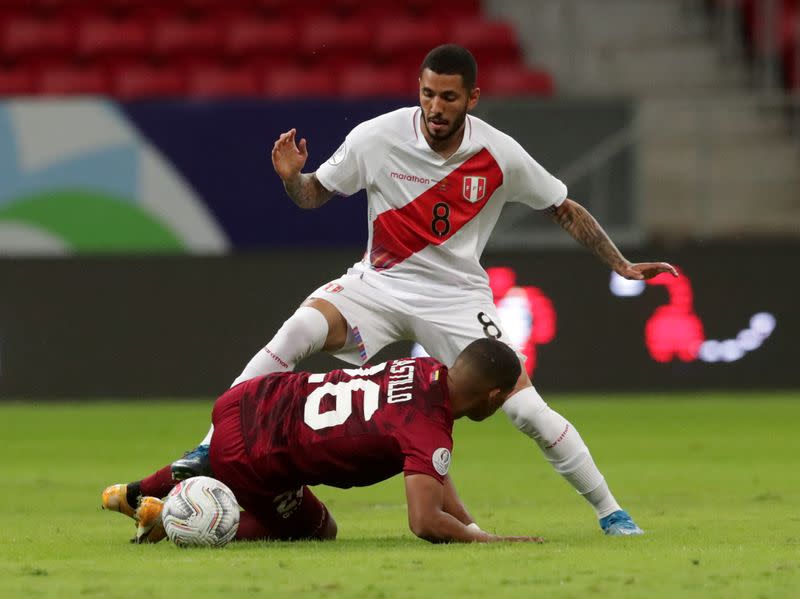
(158, 484)
(562, 446)
(132, 494)
(303, 334)
(207, 439)
(602, 500)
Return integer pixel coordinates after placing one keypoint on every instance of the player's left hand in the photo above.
(646, 270)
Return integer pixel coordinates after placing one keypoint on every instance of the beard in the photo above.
(456, 125)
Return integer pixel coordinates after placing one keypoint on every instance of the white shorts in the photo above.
(380, 313)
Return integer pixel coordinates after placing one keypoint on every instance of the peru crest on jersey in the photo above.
(474, 188)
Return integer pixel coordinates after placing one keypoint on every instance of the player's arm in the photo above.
(452, 504)
(289, 158)
(428, 519)
(582, 226)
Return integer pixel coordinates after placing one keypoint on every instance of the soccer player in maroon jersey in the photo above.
(437, 179)
(277, 434)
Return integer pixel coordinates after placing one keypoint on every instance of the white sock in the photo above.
(562, 446)
(303, 334)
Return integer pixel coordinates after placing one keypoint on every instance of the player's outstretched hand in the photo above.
(646, 270)
(289, 157)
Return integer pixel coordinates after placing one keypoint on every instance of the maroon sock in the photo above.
(158, 484)
(250, 528)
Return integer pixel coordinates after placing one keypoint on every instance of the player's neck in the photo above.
(460, 403)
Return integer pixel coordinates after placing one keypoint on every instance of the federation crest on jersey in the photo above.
(474, 188)
(441, 460)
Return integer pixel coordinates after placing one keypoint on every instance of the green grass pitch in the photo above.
(714, 480)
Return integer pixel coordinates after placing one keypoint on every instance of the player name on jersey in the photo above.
(401, 378)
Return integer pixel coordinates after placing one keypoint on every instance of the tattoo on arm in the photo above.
(306, 191)
(583, 227)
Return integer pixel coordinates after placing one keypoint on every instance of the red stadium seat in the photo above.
(22, 37)
(444, 10)
(298, 82)
(405, 42)
(105, 38)
(16, 82)
(333, 41)
(181, 38)
(377, 11)
(491, 42)
(71, 80)
(214, 81)
(292, 9)
(255, 38)
(136, 81)
(509, 80)
(379, 81)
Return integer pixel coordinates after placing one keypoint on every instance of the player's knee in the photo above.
(329, 530)
(524, 409)
(337, 325)
(303, 333)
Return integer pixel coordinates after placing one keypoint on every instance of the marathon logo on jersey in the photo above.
(411, 178)
(441, 460)
(474, 188)
(333, 288)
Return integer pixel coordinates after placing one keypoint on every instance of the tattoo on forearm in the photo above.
(306, 191)
(577, 221)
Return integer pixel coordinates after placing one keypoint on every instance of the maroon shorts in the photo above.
(282, 514)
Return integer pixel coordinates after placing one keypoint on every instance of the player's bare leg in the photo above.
(566, 451)
(317, 325)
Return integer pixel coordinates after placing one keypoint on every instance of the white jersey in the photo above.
(430, 217)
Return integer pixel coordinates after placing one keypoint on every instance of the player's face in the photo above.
(445, 103)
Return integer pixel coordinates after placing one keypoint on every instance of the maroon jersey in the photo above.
(351, 427)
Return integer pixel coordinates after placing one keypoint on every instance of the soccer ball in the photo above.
(200, 512)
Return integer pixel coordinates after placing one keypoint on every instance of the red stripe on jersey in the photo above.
(437, 214)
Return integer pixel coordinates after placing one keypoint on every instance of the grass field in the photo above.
(714, 480)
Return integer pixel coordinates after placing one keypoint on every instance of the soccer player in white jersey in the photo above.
(436, 179)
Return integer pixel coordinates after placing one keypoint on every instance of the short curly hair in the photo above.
(452, 59)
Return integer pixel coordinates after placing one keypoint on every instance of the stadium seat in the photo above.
(214, 81)
(291, 9)
(375, 11)
(378, 81)
(297, 82)
(329, 41)
(16, 82)
(33, 38)
(106, 39)
(405, 42)
(491, 42)
(73, 80)
(246, 38)
(178, 38)
(444, 10)
(515, 81)
(135, 81)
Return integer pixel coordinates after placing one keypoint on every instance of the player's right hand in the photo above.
(289, 157)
